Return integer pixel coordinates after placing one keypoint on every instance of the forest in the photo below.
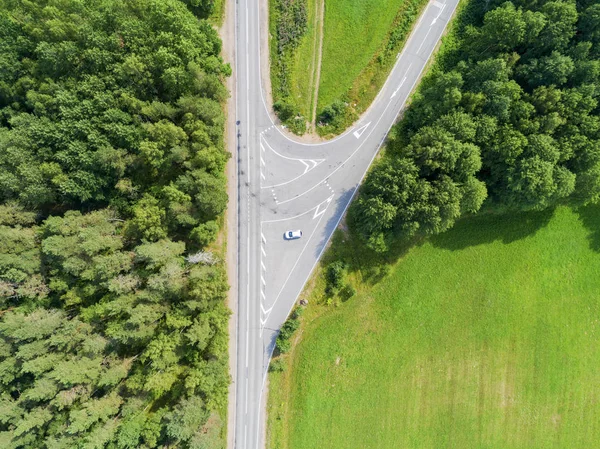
(507, 120)
(113, 321)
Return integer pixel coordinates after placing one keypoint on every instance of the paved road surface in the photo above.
(286, 185)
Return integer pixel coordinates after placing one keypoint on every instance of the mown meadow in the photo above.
(485, 336)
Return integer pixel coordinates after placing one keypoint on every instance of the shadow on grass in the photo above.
(590, 217)
(471, 231)
(489, 228)
(348, 248)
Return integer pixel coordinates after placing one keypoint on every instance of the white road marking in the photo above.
(266, 312)
(396, 91)
(262, 264)
(359, 132)
(438, 4)
(263, 237)
(263, 251)
(262, 279)
(327, 201)
(438, 16)
(262, 161)
(262, 175)
(299, 215)
(262, 293)
(305, 162)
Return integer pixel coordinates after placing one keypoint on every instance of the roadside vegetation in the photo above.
(507, 121)
(113, 322)
(484, 336)
(360, 41)
(457, 306)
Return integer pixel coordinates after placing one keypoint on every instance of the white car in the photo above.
(292, 235)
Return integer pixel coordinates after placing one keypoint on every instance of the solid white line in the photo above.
(324, 247)
(338, 221)
(344, 162)
(299, 257)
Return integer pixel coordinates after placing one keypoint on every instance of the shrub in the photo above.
(335, 277)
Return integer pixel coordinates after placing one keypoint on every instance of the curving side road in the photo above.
(284, 184)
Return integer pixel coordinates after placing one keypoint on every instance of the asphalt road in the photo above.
(288, 185)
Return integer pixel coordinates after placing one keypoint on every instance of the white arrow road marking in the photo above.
(396, 91)
(318, 212)
(359, 132)
(309, 164)
(439, 14)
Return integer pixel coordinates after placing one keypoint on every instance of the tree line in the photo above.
(113, 322)
(507, 120)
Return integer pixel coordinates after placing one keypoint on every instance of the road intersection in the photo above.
(285, 184)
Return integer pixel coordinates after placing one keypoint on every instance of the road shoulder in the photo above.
(227, 33)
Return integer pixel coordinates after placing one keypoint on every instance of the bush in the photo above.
(284, 110)
(283, 342)
(277, 366)
(335, 277)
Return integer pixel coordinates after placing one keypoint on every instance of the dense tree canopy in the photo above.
(508, 118)
(113, 323)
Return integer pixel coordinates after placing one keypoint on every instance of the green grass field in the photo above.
(485, 337)
(353, 33)
(358, 51)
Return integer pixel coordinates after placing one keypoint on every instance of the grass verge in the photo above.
(361, 41)
(486, 336)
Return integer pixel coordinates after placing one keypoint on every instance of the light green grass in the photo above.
(485, 337)
(353, 32)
